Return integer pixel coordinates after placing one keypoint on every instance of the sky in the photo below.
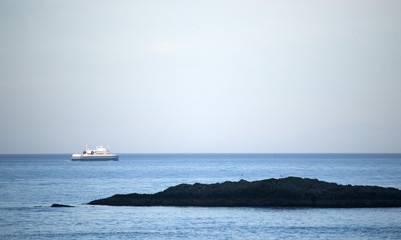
(200, 76)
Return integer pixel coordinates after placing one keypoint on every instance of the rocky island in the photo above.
(284, 192)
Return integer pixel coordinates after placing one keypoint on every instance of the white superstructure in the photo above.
(99, 154)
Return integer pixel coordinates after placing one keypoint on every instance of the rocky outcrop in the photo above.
(285, 192)
(60, 205)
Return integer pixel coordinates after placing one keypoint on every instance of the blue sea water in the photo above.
(29, 184)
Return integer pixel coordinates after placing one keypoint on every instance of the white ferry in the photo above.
(99, 154)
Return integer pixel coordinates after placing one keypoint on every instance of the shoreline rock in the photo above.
(284, 192)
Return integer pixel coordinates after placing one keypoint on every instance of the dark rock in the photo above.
(60, 205)
(285, 192)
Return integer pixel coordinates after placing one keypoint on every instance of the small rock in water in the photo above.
(60, 205)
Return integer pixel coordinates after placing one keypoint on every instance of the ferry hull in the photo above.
(95, 158)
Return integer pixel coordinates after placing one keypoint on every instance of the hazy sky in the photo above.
(200, 76)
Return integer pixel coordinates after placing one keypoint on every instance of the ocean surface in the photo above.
(29, 184)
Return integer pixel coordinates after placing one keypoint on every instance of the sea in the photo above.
(30, 184)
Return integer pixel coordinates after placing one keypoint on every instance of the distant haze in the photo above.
(200, 76)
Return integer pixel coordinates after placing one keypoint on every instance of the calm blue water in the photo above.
(29, 184)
